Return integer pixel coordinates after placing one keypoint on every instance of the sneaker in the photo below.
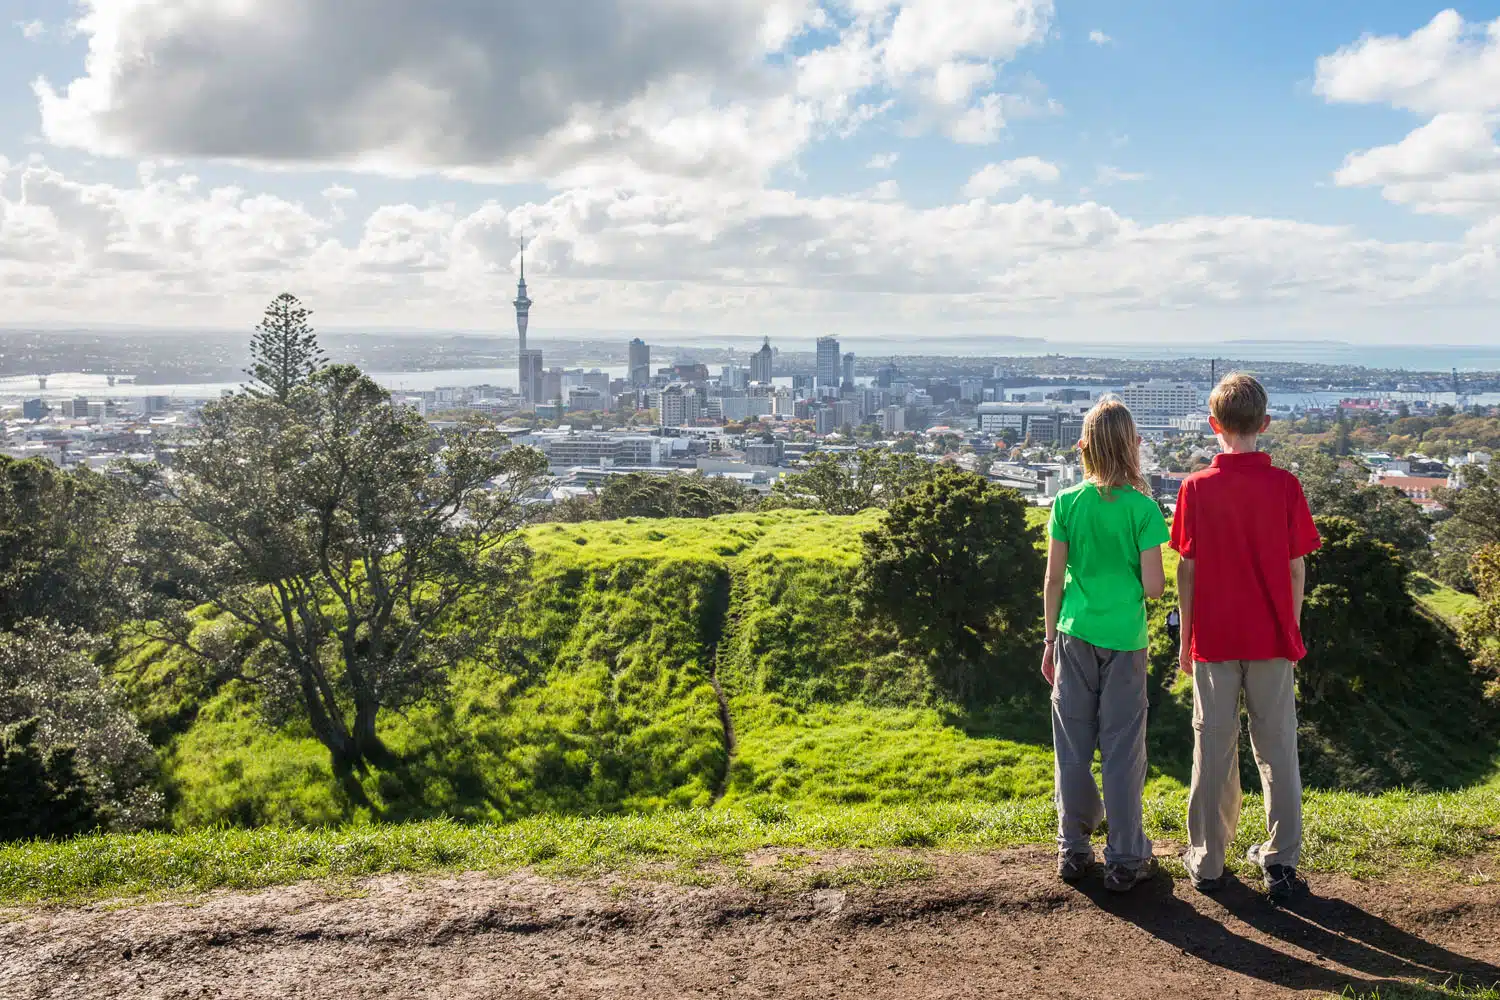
(1283, 884)
(1209, 886)
(1074, 865)
(1123, 878)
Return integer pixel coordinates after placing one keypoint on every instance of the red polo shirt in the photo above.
(1242, 522)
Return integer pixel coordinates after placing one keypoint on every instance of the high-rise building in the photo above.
(849, 370)
(531, 375)
(828, 361)
(529, 394)
(886, 375)
(761, 363)
(640, 363)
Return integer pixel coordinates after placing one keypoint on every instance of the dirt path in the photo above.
(985, 926)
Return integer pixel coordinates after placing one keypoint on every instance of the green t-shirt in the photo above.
(1103, 601)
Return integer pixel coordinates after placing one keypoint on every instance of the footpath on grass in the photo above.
(787, 924)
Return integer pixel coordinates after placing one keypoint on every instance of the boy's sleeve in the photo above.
(1302, 534)
(1182, 522)
(1153, 528)
(1056, 530)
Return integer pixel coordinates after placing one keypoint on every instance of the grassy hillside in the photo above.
(599, 697)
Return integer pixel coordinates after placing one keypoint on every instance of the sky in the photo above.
(942, 170)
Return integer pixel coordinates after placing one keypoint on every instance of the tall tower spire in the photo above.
(523, 301)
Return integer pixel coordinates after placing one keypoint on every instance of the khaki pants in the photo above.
(1099, 702)
(1214, 802)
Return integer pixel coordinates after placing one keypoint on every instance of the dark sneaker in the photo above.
(1074, 865)
(1209, 886)
(1283, 884)
(1123, 878)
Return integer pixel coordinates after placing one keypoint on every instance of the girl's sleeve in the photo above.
(1153, 530)
(1056, 530)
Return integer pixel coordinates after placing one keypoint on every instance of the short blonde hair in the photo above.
(1239, 404)
(1110, 446)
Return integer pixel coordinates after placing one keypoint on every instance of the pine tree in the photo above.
(284, 352)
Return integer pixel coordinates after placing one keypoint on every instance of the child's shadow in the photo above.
(1327, 930)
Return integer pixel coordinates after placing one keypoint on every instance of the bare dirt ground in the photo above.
(994, 925)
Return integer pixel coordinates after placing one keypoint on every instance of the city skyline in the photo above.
(917, 169)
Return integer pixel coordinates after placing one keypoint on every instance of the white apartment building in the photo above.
(1173, 399)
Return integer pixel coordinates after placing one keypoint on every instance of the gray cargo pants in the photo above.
(1099, 701)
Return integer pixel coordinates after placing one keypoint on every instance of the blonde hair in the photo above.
(1239, 403)
(1111, 447)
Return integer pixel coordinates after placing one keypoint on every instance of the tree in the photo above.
(641, 494)
(1481, 626)
(284, 352)
(42, 793)
(1387, 696)
(1340, 488)
(954, 567)
(48, 677)
(365, 552)
(59, 545)
(843, 484)
(1473, 523)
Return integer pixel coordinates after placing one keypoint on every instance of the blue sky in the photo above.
(1190, 165)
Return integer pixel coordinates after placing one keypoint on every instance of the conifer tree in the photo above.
(284, 352)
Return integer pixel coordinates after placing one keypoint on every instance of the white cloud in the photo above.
(993, 178)
(1099, 38)
(166, 249)
(882, 161)
(32, 30)
(1449, 65)
(1449, 71)
(633, 89)
(1107, 175)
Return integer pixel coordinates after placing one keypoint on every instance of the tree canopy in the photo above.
(954, 567)
(848, 484)
(345, 534)
(284, 352)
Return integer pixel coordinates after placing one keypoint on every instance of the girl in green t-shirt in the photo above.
(1103, 562)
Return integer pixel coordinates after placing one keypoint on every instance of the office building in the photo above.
(886, 376)
(829, 358)
(532, 378)
(825, 421)
(893, 419)
(1160, 397)
(846, 413)
(33, 409)
(734, 377)
(1042, 423)
(678, 406)
(849, 370)
(761, 363)
(764, 452)
(640, 363)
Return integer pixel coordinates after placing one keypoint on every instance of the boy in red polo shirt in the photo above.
(1242, 529)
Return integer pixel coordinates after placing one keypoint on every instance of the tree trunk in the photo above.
(367, 741)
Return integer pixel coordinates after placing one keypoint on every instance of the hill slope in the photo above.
(600, 696)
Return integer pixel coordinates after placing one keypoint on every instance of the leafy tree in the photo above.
(1387, 696)
(47, 676)
(1340, 488)
(955, 568)
(641, 494)
(42, 793)
(347, 536)
(59, 547)
(284, 352)
(842, 484)
(1473, 523)
(1481, 627)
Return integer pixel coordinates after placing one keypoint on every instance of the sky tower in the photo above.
(523, 302)
(529, 363)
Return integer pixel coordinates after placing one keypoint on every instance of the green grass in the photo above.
(1457, 833)
(1451, 990)
(1445, 602)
